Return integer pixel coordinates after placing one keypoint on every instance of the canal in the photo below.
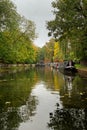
(43, 99)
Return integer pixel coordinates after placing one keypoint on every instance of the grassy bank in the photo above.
(81, 67)
(82, 70)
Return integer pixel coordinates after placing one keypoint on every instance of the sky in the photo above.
(38, 11)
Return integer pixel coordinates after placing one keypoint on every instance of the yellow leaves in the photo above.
(56, 48)
(57, 52)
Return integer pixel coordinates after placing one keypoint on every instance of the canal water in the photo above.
(43, 99)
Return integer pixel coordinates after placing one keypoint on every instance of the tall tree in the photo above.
(70, 23)
(58, 56)
(49, 50)
(9, 18)
(16, 35)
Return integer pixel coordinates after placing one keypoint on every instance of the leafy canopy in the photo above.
(70, 23)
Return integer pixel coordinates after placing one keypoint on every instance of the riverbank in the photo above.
(82, 70)
(13, 68)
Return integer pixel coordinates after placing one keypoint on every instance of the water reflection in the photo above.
(74, 92)
(16, 102)
(73, 114)
(68, 119)
(11, 117)
(42, 98)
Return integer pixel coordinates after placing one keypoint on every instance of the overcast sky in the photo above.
(38, 11)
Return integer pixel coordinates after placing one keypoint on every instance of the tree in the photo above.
(9, 18)
(49, 50)
(16, 35)
(57, 52)
(70, 23)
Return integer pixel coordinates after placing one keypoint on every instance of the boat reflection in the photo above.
(73, 114)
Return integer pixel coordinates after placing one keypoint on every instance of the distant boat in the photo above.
(40, 64)
(68, 66)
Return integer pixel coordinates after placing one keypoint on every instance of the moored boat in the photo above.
(68, 66)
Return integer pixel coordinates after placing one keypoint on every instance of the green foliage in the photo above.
(49, 50)
(70, 24)
(9, 18)
(16, 35)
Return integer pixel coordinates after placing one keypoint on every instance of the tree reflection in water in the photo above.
(28, 110)
(73, 115)
(68, 119)
(16, 102)
(11, 117)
